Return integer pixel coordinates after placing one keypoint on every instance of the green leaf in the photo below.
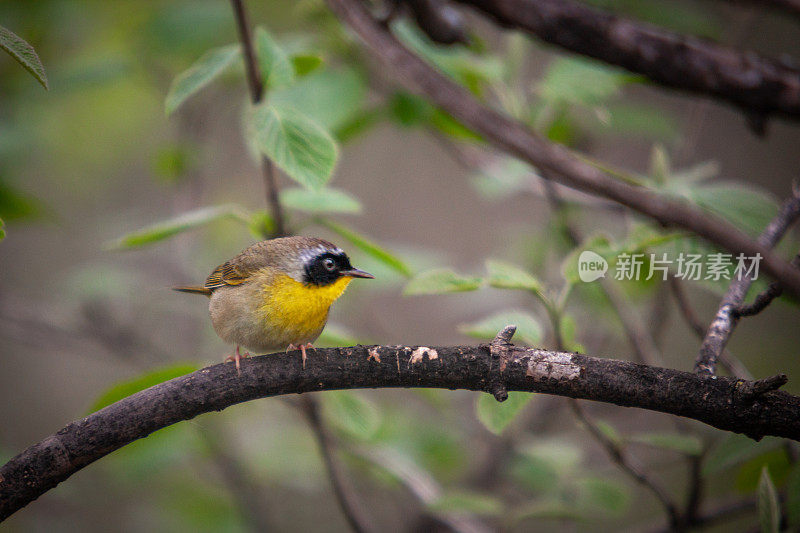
(276, 70)
(186, 221)
(17, 205)
(297, 144)
(659, 164)
(261, 224)
(609, 431)
(352, 413)
(734, 449)
(504, 275)
(23, 53)
(769, 513)
(125, 388)
(687, 444)
(603, 493)
(325, 200)
(748, 475)
(440, 281)
(748, 207)
(528, 329)
(2, 230)
(581, 81)
(331, 98)
(793, 498)
(305, 64)
(200, 74)
(368, 247)
(548, 510)
(496, 416)
(408, 109)
(467, 502)
(334, 335)
(564, 455)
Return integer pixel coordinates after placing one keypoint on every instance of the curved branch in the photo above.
(516, 139)
(716, 402)
(742, 78)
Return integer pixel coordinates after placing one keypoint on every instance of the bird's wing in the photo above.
(229, 273)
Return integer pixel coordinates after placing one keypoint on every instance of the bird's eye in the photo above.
(329, 263)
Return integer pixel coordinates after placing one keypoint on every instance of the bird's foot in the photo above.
(302, 349)
(236, 357)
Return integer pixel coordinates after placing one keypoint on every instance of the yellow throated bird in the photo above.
(276, 294)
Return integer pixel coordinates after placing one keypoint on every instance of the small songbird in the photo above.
(276, 294)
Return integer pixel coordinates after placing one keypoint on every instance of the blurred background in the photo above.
(84, 316)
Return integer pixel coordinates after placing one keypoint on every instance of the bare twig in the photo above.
(516, 139)
(627, 465)
(765, 297)
(728, 361)
(422, 486)
(245, 493)
(256, 85)
(757, 84)
(45, 464)
(792, 7)
(725, 321)
(345, 494)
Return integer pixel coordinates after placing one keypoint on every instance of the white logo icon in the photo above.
(591, 266)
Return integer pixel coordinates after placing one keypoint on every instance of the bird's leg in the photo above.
(302, 349)
(236, 357)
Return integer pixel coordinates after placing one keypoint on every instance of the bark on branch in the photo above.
(719, 402)
(518, 140)
(742, 78)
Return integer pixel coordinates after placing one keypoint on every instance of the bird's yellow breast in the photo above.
(296, 307)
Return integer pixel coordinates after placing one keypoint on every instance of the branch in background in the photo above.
(256, 94)
(764, 298)
(644, 347)
(754, 83)
(422, 486)
(353, 511)
(626, 464)
(791, 7)
(246, 494)
(518, 140)
(728, 361)
(721, 328)
(714, 402)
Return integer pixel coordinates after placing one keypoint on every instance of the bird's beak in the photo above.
(356, 273)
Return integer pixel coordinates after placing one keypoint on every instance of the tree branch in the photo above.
(791, 7)
(516, 139)
(728, 361)
(765, 297)
(254, 82)
(353, 511)
(721, 328)
(627, 465)
(712, 401)
(742, 78)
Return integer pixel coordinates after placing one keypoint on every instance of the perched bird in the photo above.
(276, 294)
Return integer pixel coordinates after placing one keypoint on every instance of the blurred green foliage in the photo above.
(103, 121)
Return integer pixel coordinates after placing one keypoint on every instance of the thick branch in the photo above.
(716, 402)
(745, 79)
(721, 328)
(516, 139)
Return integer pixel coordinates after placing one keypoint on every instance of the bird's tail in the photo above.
(193, 290)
